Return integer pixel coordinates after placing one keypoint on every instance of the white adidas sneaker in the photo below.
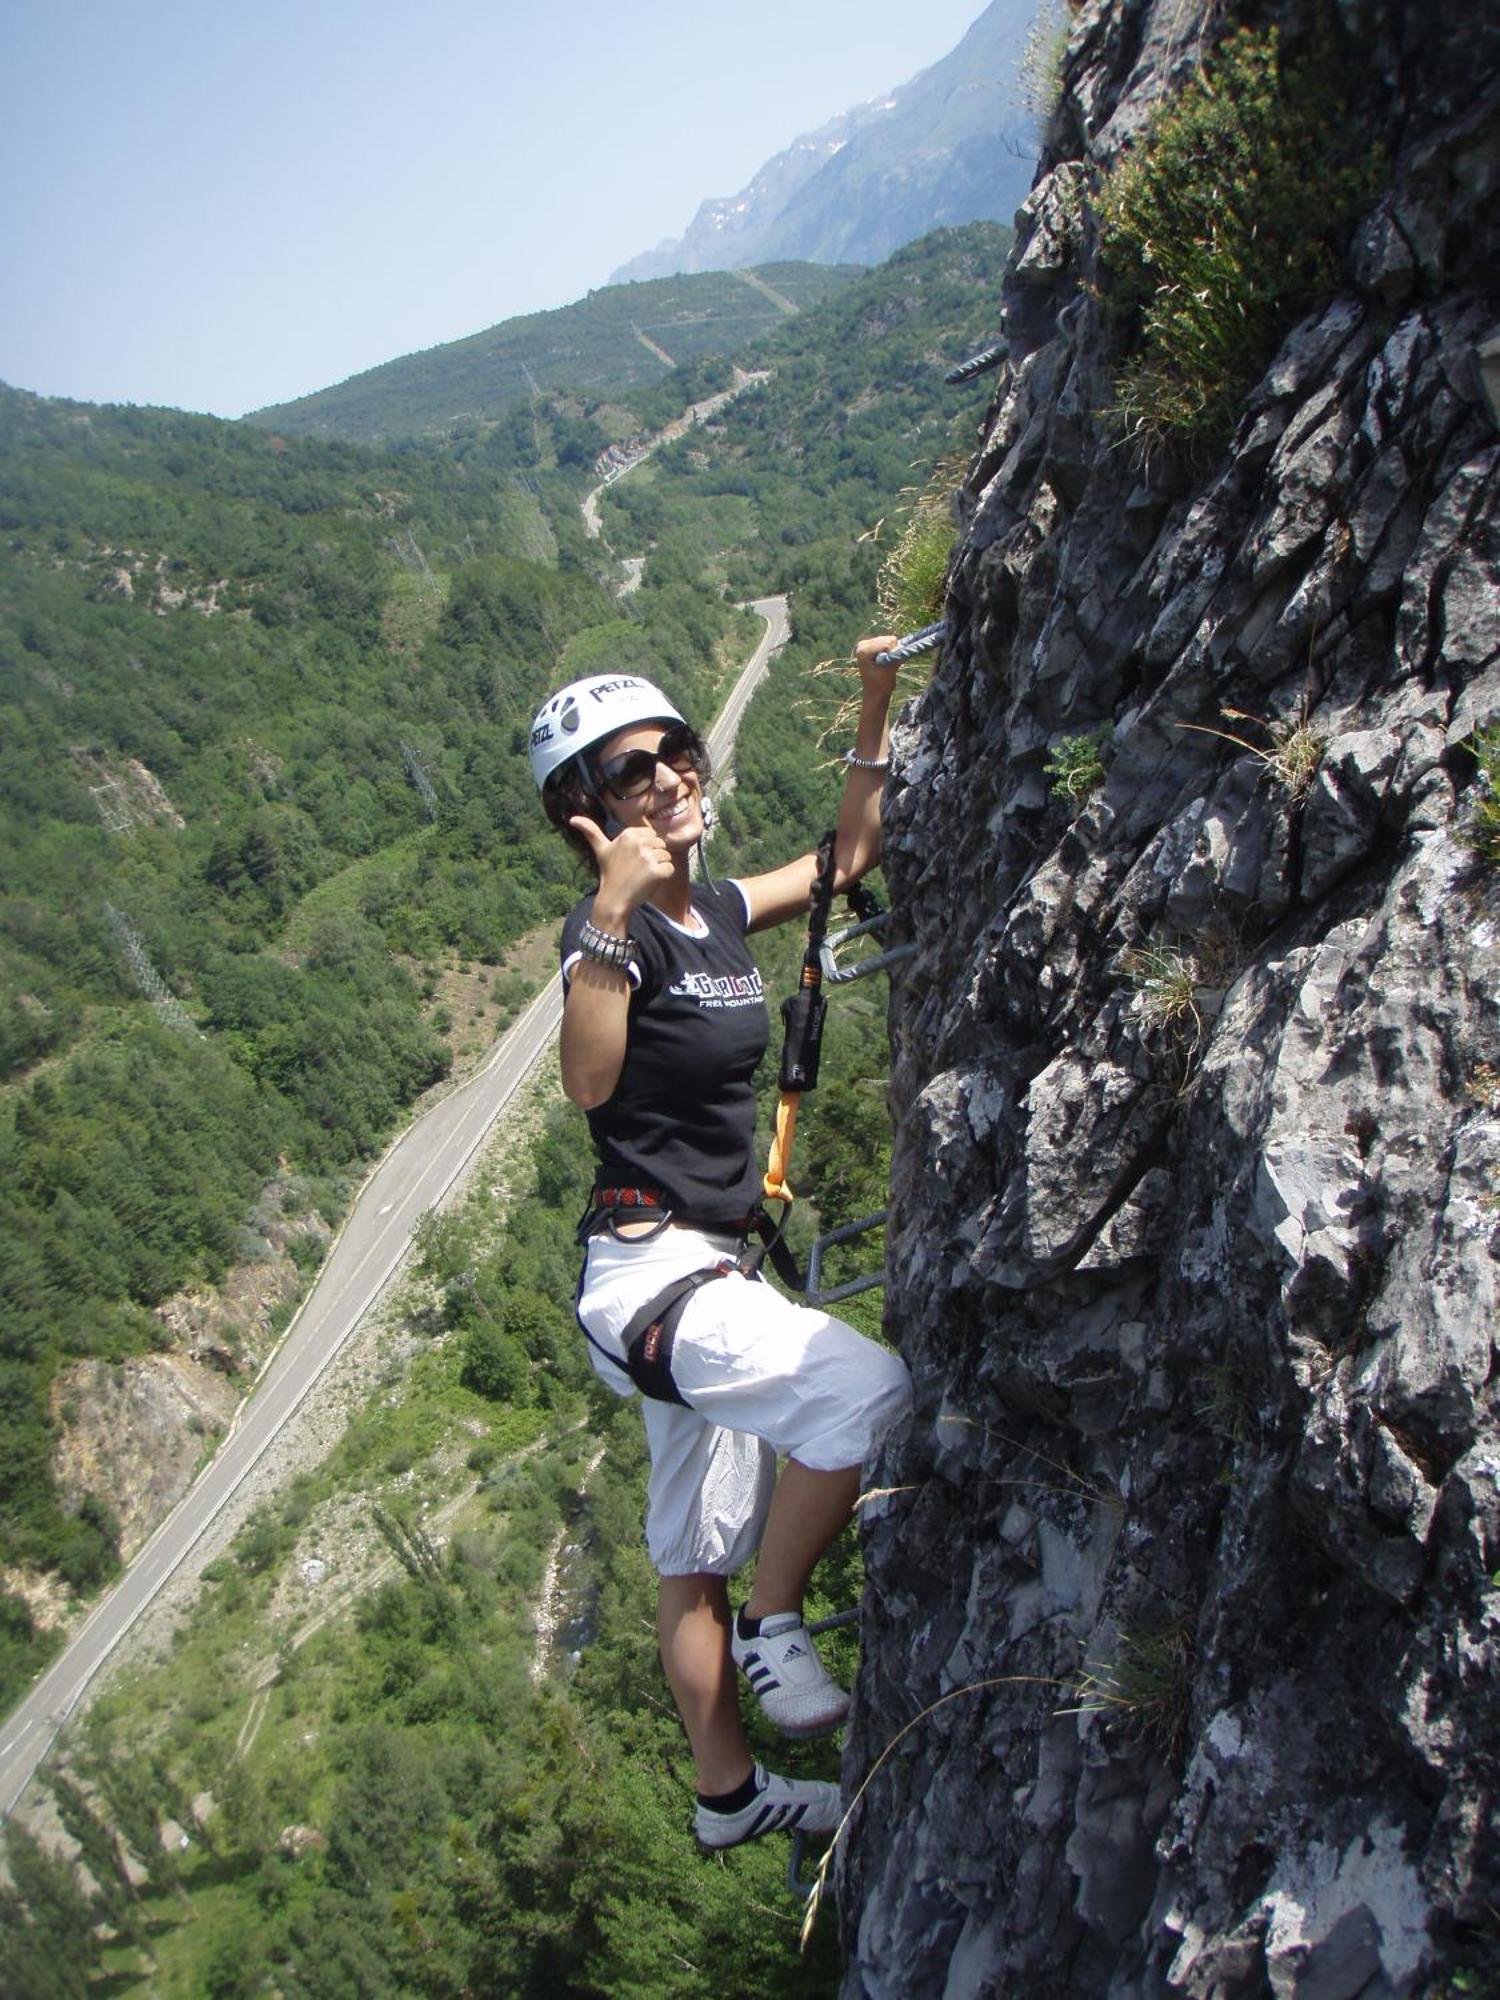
(794, 1688)
(780, 1805)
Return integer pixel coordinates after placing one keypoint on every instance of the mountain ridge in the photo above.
(876, 176)
(612, 340)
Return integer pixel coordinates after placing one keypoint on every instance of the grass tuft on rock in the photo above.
(1147, 1685)
(1223, 228)
(1291, 757)
(1483, 835)
(1043, 54)
(912, 579)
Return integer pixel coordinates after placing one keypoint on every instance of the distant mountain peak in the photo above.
(950, 146)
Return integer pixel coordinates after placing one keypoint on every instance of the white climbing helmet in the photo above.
(584, 713)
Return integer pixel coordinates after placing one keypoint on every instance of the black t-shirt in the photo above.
(682, 1117)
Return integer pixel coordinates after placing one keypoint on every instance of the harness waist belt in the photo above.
(604, 1199)
(649, 1338)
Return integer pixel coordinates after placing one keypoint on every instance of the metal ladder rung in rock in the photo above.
(880, 961)
(815, 1294)
(978, 364)
(914, 644)
(835, 974)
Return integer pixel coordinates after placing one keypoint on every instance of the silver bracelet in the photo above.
(604, 946)
(857, 763)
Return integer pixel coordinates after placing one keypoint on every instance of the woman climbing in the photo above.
(664, 1023)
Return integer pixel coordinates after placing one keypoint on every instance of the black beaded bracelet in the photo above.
(857, 763)
(604, 946)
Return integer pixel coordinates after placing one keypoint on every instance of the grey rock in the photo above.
(1048, 225)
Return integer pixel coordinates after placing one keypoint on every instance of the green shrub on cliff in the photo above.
(1224, 227)
(1484, 833)
(1076, 765)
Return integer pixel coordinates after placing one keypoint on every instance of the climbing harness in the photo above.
(607, 1206)
(651, 1335)
(802, 1016)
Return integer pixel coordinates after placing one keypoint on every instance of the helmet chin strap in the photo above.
(590, 785)
(710, 821)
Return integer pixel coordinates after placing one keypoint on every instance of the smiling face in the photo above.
(671, 802)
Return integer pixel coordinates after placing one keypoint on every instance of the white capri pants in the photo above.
(763, 1376)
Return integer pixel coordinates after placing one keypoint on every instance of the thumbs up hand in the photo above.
(631, 867)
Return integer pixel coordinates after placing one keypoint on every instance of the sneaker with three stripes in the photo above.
(794, 1688)
(778, 1805)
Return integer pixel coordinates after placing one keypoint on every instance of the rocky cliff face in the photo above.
(1194, 1538)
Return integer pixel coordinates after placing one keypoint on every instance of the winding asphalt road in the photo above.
(695, 413)
(420, 1171)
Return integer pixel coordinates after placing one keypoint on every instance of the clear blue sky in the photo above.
(218, 205)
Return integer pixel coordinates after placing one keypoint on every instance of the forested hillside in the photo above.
(854, 416)
(378, 1797)
(618, 339)
(263, 713)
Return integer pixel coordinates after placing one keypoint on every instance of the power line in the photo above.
(420, 779)
(168, 1007)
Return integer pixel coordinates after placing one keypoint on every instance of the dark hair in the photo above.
(564, 798)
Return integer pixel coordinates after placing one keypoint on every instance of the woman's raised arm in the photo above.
(783, 893)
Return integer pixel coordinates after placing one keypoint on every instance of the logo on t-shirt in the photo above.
(720, 989)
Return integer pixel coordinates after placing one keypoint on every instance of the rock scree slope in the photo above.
(1197, 1177)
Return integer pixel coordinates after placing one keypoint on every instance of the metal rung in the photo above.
(814, 1294)
(835, 974)
(913, 644)
(978, 364)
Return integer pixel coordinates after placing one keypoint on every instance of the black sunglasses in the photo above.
(633, 775)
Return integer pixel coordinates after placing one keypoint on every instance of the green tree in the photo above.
(100, 1852)
(235, 1965)
(495, 1364)
(51, 1945)
(129, 1791)
(243, 1811)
